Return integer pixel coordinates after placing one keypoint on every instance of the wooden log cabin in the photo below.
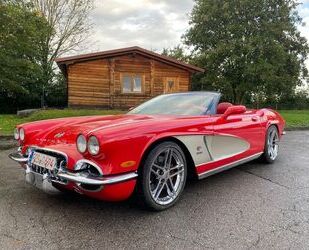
(122, 78)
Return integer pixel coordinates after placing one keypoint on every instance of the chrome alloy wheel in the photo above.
(167, 176)
(272, 143)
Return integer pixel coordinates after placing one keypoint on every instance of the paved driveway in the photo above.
(253, 206)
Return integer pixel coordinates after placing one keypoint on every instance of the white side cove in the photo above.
(221, 146)
(197, 146)
(209, 148)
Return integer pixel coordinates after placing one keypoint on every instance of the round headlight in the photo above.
(81, 144)
(22, 134)
(93, 145)
(16, 134)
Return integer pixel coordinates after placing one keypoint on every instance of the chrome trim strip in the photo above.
(206, 144)
(90, 163)
(18, 157)
(228, 166)
(80, 178)
(78, 166)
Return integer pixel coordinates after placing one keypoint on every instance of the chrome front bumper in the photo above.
(77, 177)
(18, 157)
(80, 178)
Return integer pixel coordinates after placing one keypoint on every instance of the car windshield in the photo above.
(177, 104)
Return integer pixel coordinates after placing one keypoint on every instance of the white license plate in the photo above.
(44, 161)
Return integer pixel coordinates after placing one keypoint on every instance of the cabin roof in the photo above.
(63, 61)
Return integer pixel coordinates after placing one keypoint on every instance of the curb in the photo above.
(3, 148)
(6, 137)
(9, 145)
(296, 129)
(7, 142)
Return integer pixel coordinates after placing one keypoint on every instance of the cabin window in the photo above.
(132, 83)
(126, 84)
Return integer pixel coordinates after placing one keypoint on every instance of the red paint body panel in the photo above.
(127, 137)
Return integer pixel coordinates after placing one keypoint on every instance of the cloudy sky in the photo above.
(151, 24)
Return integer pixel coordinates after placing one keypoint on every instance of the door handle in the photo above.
(254, 119)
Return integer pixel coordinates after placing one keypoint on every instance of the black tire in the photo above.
(268, 156)
(148, 177)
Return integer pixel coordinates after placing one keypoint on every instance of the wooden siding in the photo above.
(98, 83)
(163, 71)
(131, 64)
(89, 84)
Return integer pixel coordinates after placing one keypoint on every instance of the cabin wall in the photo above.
(131, 64)
(98, 83)
(164, 71)
(89, 84)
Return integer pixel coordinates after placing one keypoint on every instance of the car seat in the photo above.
(222, 107)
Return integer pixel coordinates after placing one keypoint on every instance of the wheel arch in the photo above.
(190, 163)
(272, 124)
(273, 118)
(266, 158)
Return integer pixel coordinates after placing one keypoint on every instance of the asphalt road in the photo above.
(254, 206)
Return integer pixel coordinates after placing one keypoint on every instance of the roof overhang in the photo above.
(65, 61)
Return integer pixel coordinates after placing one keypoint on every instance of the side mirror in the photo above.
(234, 110)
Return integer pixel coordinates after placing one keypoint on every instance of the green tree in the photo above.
(248, 48)
(178, 52)
(21, 34)
(70, 28)
(56, 92)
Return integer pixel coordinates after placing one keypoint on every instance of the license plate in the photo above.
(44, 161)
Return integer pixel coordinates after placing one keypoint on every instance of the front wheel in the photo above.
(271, 148)
(163, 176)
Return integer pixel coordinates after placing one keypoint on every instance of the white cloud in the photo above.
(150, 24)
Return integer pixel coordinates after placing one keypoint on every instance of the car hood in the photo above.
(65, 131)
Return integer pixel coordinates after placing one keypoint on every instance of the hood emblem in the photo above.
(59, 135)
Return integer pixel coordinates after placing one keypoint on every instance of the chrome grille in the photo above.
(52, 174)
(38, 169)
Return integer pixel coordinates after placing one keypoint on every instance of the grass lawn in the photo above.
(294, 118)
(8, 122)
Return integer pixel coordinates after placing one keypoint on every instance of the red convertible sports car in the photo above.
(149, 151)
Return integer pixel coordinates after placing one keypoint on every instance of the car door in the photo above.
(237, 136)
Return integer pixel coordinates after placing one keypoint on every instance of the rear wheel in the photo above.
(271, 148)
(163, 176)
